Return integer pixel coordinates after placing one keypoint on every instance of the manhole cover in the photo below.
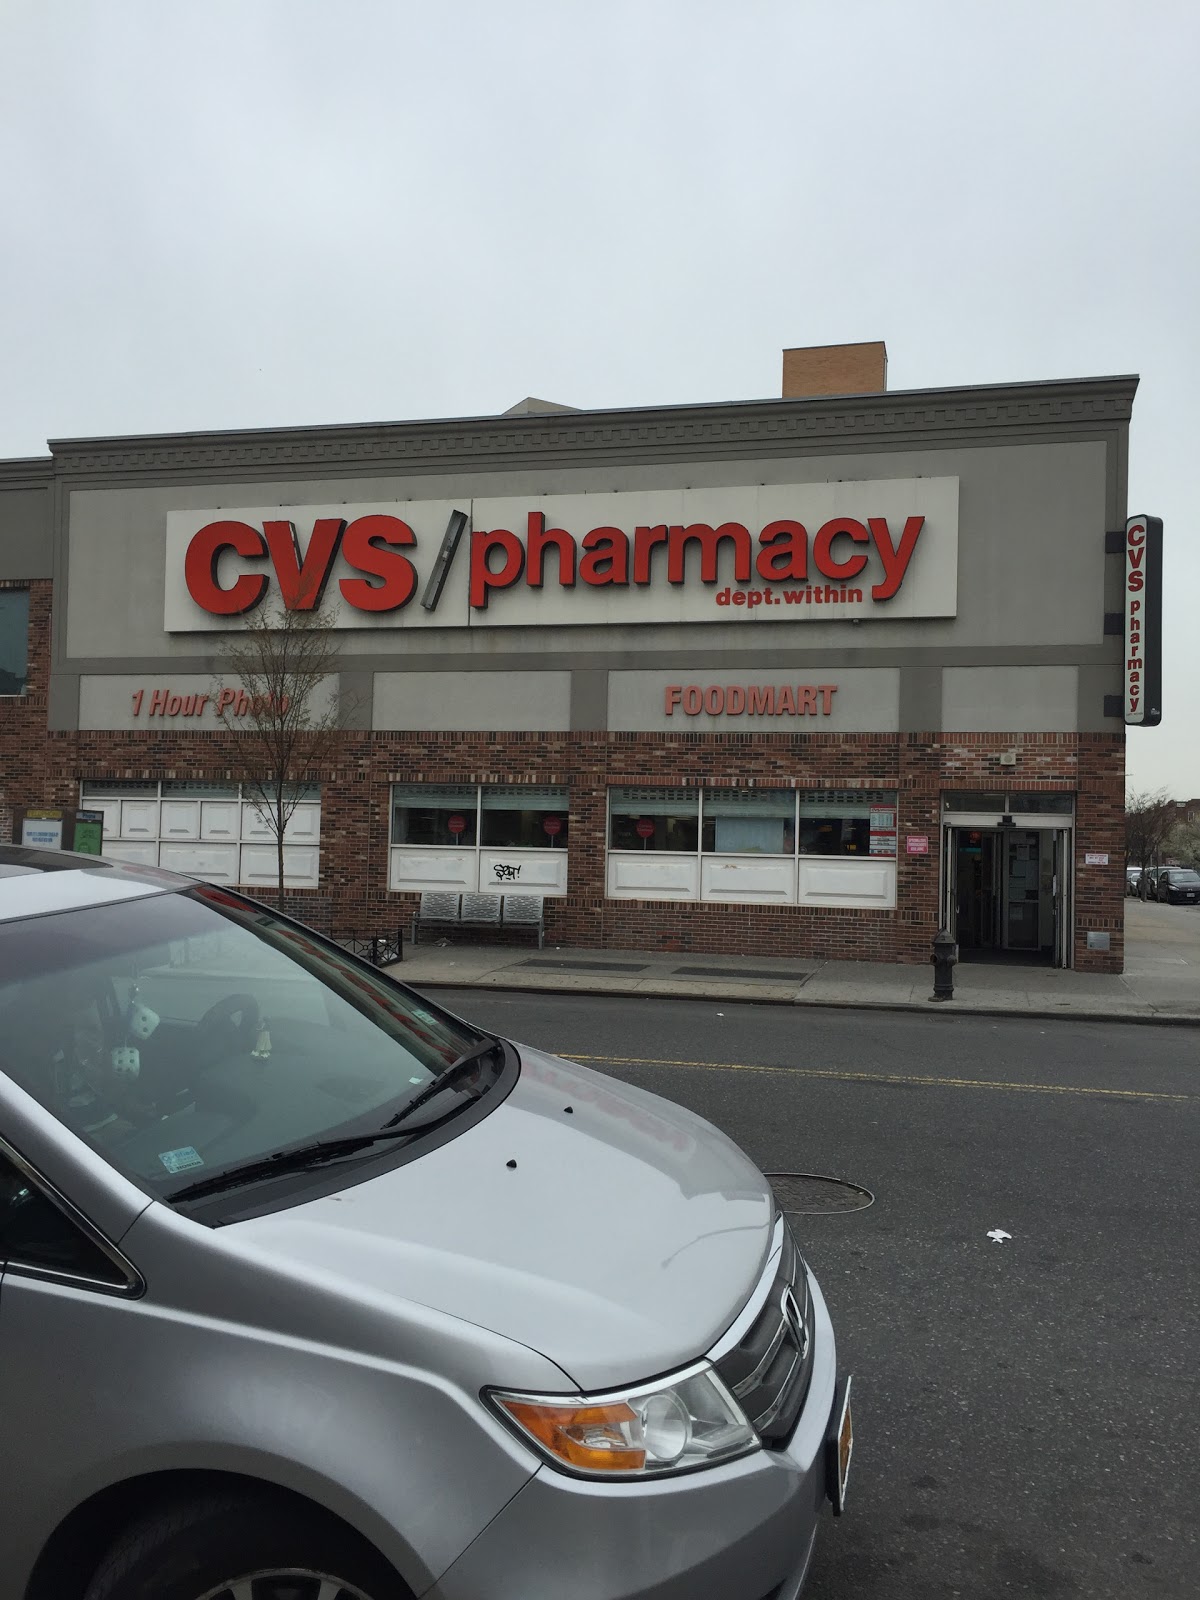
(815, 1196)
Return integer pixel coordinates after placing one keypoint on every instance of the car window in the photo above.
(35, 1233)
(184, 1034)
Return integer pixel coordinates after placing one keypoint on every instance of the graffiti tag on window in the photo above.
(506, 874)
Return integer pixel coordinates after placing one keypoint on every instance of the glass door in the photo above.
(1022, 888)
(1062, 884)
(947, 917)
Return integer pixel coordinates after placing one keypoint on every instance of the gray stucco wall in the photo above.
(26, 545)
(1040, 482)
(1031, 567)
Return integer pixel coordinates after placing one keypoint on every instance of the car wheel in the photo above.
(242, 1548)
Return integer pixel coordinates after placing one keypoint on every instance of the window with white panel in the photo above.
(208, 830)
(488, 838)
(753, 846)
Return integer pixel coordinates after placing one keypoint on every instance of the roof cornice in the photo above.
(763, 427)
(27, 472)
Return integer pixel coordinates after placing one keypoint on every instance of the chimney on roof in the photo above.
(835, 369)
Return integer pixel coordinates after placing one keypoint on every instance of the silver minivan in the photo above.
(310, 1290)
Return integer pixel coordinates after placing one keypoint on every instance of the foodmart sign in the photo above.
(776, 552)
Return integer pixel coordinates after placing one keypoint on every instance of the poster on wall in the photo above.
(883, 830)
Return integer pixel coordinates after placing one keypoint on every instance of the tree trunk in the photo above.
(279, 863)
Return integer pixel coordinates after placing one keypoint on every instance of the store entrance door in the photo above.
(1006, 893)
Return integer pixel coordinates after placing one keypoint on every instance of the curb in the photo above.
(927, 1008)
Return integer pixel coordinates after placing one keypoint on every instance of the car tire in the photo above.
(199, 1549)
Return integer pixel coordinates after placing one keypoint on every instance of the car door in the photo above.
(60, 1285)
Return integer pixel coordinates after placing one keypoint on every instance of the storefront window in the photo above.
(522, 817)
(1012, 803)
(831, 822)
(1061, 805)
(749, 822)
(848, 822)
(195, 789)
(131, 789)
(973, 800)
(213, 829)
(458, 838)
(14, 640)
(654, 819)
(817, 847)
(429, 813)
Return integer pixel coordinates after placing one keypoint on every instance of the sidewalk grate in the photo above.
(816, 1196)
(740, 972)
(547, 963)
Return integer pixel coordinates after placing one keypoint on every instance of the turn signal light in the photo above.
(591, 1438)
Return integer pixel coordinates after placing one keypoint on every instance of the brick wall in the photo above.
(41, 768)
(23, 717)
(834, 369)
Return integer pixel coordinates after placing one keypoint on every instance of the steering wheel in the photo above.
(229, 1027)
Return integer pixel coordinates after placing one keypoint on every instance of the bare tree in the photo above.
(1149, 818)
(277, 697)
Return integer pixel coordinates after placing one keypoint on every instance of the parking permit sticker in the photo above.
(181, 1160)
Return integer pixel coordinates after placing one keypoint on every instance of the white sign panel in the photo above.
(840, 700)
(743, 555)
(144, 700)
(42, 833)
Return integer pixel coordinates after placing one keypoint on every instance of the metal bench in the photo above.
(525, 911)
(438, 909)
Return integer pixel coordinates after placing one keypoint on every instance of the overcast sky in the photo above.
(266, 212)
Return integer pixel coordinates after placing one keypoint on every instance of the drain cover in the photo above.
(815, 1196)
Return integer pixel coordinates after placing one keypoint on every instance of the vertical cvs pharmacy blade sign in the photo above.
(1143, 622)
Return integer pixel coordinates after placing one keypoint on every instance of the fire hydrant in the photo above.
(945, 954)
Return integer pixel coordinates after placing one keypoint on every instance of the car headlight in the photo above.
(676, 1425)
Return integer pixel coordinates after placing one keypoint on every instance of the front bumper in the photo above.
(744, 1531)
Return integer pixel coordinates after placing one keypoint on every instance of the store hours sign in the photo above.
(745, 555)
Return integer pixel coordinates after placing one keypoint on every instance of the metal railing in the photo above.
(380, 949)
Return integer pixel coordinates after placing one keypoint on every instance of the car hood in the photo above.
(615, 1233)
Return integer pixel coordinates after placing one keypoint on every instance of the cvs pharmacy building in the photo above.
(808, 676)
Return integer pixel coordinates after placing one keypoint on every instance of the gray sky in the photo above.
(273, 211)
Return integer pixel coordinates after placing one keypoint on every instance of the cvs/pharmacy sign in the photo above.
(739, 555)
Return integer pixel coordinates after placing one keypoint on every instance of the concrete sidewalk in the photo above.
(1161, 982)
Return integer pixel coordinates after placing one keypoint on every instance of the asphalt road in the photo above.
(1026, 1410)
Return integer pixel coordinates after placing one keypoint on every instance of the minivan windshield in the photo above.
(184, 1035)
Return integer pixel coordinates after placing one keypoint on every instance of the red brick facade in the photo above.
(41, 768)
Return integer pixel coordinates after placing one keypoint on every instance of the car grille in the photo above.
(769, 1368)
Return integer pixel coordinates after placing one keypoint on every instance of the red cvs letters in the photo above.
(371, 545)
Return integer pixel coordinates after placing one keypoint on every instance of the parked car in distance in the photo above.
(1178, 886)
(314, 1291)
(1132, 874)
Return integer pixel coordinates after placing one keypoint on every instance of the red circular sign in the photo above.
(645, 828)
(457, 824)
(552, 826)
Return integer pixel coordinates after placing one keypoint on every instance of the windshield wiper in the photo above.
(467, 1062)
(316, 1154)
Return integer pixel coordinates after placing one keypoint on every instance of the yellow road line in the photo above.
(886, 1077)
